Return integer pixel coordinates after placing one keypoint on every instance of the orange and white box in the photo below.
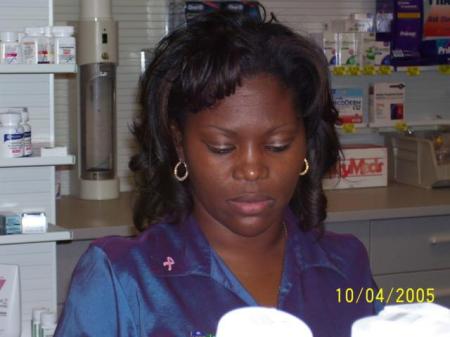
(363, 165)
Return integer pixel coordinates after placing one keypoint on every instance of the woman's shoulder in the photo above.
(119, 248)
(346, 252)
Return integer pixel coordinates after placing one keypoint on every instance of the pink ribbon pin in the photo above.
(169, 263)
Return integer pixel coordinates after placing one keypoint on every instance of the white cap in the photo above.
(37, 313)
(261, 322)
(406, 320)
(48, 318)
(63, 30)
(95, 9)
(8, 37)
(10, 118)
(35, 31)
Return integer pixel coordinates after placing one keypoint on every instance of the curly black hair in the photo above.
(206, 61)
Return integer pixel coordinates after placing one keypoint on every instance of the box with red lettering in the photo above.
(362, 165)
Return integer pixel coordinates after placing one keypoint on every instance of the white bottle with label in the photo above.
(36, 321)
(49, 46)
(10, 309)
(48, 324)
(11, 135)
(33, 46)
(27, 144)
(9, 48)
(65, 45)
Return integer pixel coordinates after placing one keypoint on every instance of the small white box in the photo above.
(363, 165)
(349, 102)
(387, 103)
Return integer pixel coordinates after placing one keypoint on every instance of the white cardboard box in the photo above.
(387, 103)
(363, 165)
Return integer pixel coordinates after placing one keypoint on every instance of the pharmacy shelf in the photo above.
(54, 233)
(37, 161)
(38, 68)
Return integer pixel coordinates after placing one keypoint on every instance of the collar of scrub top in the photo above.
(184, 251)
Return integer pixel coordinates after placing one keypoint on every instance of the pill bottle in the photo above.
(49, 46)
(48, 324)
(33, 46)
(65, 45)
(11, 135)
(36, 321)
(9, 48)
(27, 144)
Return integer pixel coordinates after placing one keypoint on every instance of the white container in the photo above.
(33, 46)
(64, 44)
(11, 135)
(36, 321)
(363, 165)
(27, 145)
(9, 48)
(10, 302)
(261, 322)
(49, 46)
(330, 47)
(48, 324)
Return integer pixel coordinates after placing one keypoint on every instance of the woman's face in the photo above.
(244, 156)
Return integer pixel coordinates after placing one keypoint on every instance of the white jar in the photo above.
(65, 45)
(49, 46)
(34, 46)
(27, 144)
(9, 48)
(48, 324)
(11, 133)
(36, 321)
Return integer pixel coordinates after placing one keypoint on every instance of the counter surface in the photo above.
(89, 219)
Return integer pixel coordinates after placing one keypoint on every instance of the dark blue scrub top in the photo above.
(168, 282)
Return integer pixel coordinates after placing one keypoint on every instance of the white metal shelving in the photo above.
(54, 233)
(38, 68)
(37, 161)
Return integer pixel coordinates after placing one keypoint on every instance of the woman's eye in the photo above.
(277, 148)
(220, 150)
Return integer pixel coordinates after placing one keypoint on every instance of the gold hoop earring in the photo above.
(176, 174)
(306, 169)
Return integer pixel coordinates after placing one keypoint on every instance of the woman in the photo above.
(236, 133)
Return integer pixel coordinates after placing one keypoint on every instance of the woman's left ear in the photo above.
(177, 139)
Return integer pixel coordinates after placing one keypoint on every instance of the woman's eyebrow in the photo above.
(228, 131)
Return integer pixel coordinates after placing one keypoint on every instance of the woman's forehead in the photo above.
(260, 102)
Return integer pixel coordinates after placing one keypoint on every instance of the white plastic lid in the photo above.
(37, 313)
(10, 118)
(8, 36)
(261, 322)
(48, 318)
(405, 320)
(63, 30)
(48, 31)
(35, 31)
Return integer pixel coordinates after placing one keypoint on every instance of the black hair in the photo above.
(206, 61)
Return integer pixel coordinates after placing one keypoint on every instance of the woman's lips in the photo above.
(251, 205)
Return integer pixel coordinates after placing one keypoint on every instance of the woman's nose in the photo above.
(250, 166)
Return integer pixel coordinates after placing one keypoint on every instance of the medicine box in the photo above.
(348, 102)
(362, 165)
(387, 103)
(10, 223)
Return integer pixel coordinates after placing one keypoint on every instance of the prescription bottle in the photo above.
(23, 111)
(64, 44)
(48, 324)
(49, 46)
(9, 48)
(34, 46)
(11, 135)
